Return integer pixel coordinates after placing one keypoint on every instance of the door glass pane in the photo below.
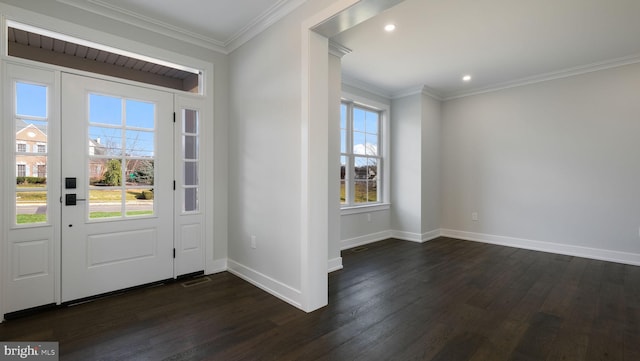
(105, 202)
(105, 192)
(140, 114)
(139, 201)
(105, 109)
(30, 119)
(121, 157)
(105, 141)
(139, 143)
(140, 172)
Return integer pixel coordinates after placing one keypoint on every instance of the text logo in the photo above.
(29, 351)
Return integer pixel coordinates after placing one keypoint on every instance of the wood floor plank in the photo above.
(446, 299)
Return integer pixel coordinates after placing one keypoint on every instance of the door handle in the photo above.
(71, 199)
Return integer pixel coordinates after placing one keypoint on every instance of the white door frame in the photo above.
(8, 12)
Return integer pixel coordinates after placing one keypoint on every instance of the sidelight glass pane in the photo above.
(140, 114)
(190, 173)
(105, 109)
(190, 199)
(190, 153)
(31, 100)
(190, 147)
(31, 206)
(30, 155)
(190, 122)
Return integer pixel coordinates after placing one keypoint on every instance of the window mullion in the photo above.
(350, 160)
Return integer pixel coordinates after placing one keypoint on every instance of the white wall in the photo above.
(415, 181)
(431, 134)
(333, 175)
(554, 162)
(265, 161)
(361, 228)
(406, 164)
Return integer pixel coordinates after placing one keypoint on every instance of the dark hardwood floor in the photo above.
(443, 300)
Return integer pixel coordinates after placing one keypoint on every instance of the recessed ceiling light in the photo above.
(389, 28)
(466, 78)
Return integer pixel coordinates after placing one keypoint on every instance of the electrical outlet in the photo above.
(253, 242)
(474, 216)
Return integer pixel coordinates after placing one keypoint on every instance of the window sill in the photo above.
(364, 208)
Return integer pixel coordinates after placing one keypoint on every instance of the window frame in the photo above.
(22, 165)
(383, 109)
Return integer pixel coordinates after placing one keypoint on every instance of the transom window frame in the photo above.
(384, 110)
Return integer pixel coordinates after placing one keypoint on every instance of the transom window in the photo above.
(360, 155)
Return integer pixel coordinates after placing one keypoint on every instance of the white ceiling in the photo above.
(498, 42)
(220, 25)
(219, 19)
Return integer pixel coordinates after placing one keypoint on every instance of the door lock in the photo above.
(71, 200)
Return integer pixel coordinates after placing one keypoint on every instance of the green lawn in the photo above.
(361, 194)
(94, 195)
(93, 215)
(31, 218)
(41, 218)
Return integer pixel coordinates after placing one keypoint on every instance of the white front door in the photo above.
(117, 186)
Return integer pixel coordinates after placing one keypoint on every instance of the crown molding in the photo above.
(437, 95)
(253, 28)
(276, 12)
(105, 9)
(421, 89)
(364, 86)
(578, 70)
(337, 49)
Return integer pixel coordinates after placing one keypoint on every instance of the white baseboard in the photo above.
(366, 239)
(216, 266)
(334, 264)
(569, 250)
(416, 237)
(266, 283)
